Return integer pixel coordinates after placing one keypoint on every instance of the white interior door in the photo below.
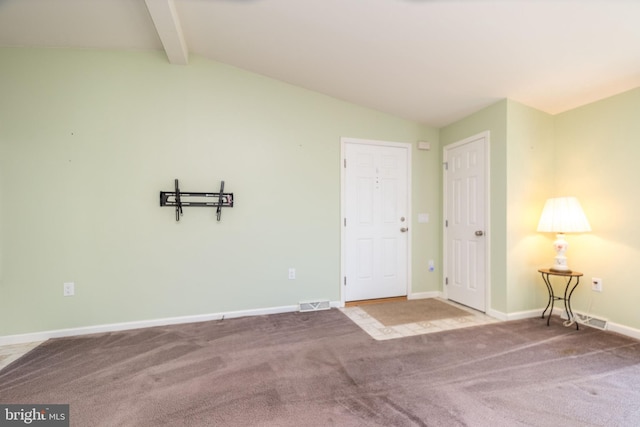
(465, 226)
(376, 220)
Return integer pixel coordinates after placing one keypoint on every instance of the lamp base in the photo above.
(560, 261)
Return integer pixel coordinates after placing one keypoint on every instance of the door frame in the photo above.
(487, 211)
(343, 206)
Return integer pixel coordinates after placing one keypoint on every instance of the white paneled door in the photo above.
(376, 220)
(465, 227)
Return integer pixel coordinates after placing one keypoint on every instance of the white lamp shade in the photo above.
(563, 215)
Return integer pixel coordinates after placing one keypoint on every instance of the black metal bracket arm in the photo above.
(179, 199)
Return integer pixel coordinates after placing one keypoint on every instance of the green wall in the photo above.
(89, 138)
(530, 181)
(597, 161)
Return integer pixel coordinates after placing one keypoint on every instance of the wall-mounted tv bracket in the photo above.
(179, 199)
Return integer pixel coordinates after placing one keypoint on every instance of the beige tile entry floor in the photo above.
(379, 331)
(9, 353)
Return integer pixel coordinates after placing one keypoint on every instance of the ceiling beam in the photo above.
(165, 18)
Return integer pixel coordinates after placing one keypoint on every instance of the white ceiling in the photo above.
(432, 61)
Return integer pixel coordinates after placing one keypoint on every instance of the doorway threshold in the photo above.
(374, 301)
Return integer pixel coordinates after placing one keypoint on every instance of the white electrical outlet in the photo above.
(292, 273)
(68, 289)
(596, 284)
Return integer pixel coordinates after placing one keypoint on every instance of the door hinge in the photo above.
(345, 222)
(446, 280)
(446, 165)
(345, 163)
(345, 280)
(446, 222)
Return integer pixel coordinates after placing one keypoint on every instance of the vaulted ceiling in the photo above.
(432, 61)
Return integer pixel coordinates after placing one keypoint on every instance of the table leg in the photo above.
(549, 306)
(567, 300)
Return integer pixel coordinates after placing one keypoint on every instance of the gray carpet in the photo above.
(319, 369)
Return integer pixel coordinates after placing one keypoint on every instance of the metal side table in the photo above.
(568, 291)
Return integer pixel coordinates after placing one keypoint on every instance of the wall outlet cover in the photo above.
(68, 289)
(596, 284)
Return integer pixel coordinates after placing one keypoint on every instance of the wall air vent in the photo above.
(314, 305)
(591, 321)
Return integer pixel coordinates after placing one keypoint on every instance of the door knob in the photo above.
(404, 229)
(479, 233)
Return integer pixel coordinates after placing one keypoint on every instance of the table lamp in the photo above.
(562, 215)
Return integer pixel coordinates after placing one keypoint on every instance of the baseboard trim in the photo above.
(528, 314)
(114, 327)
(421, 295)
(623, 330)
(496, 314)
(611, 326)
(512, 316)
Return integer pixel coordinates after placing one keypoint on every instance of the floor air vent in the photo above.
(314, 305)
(591, 321)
